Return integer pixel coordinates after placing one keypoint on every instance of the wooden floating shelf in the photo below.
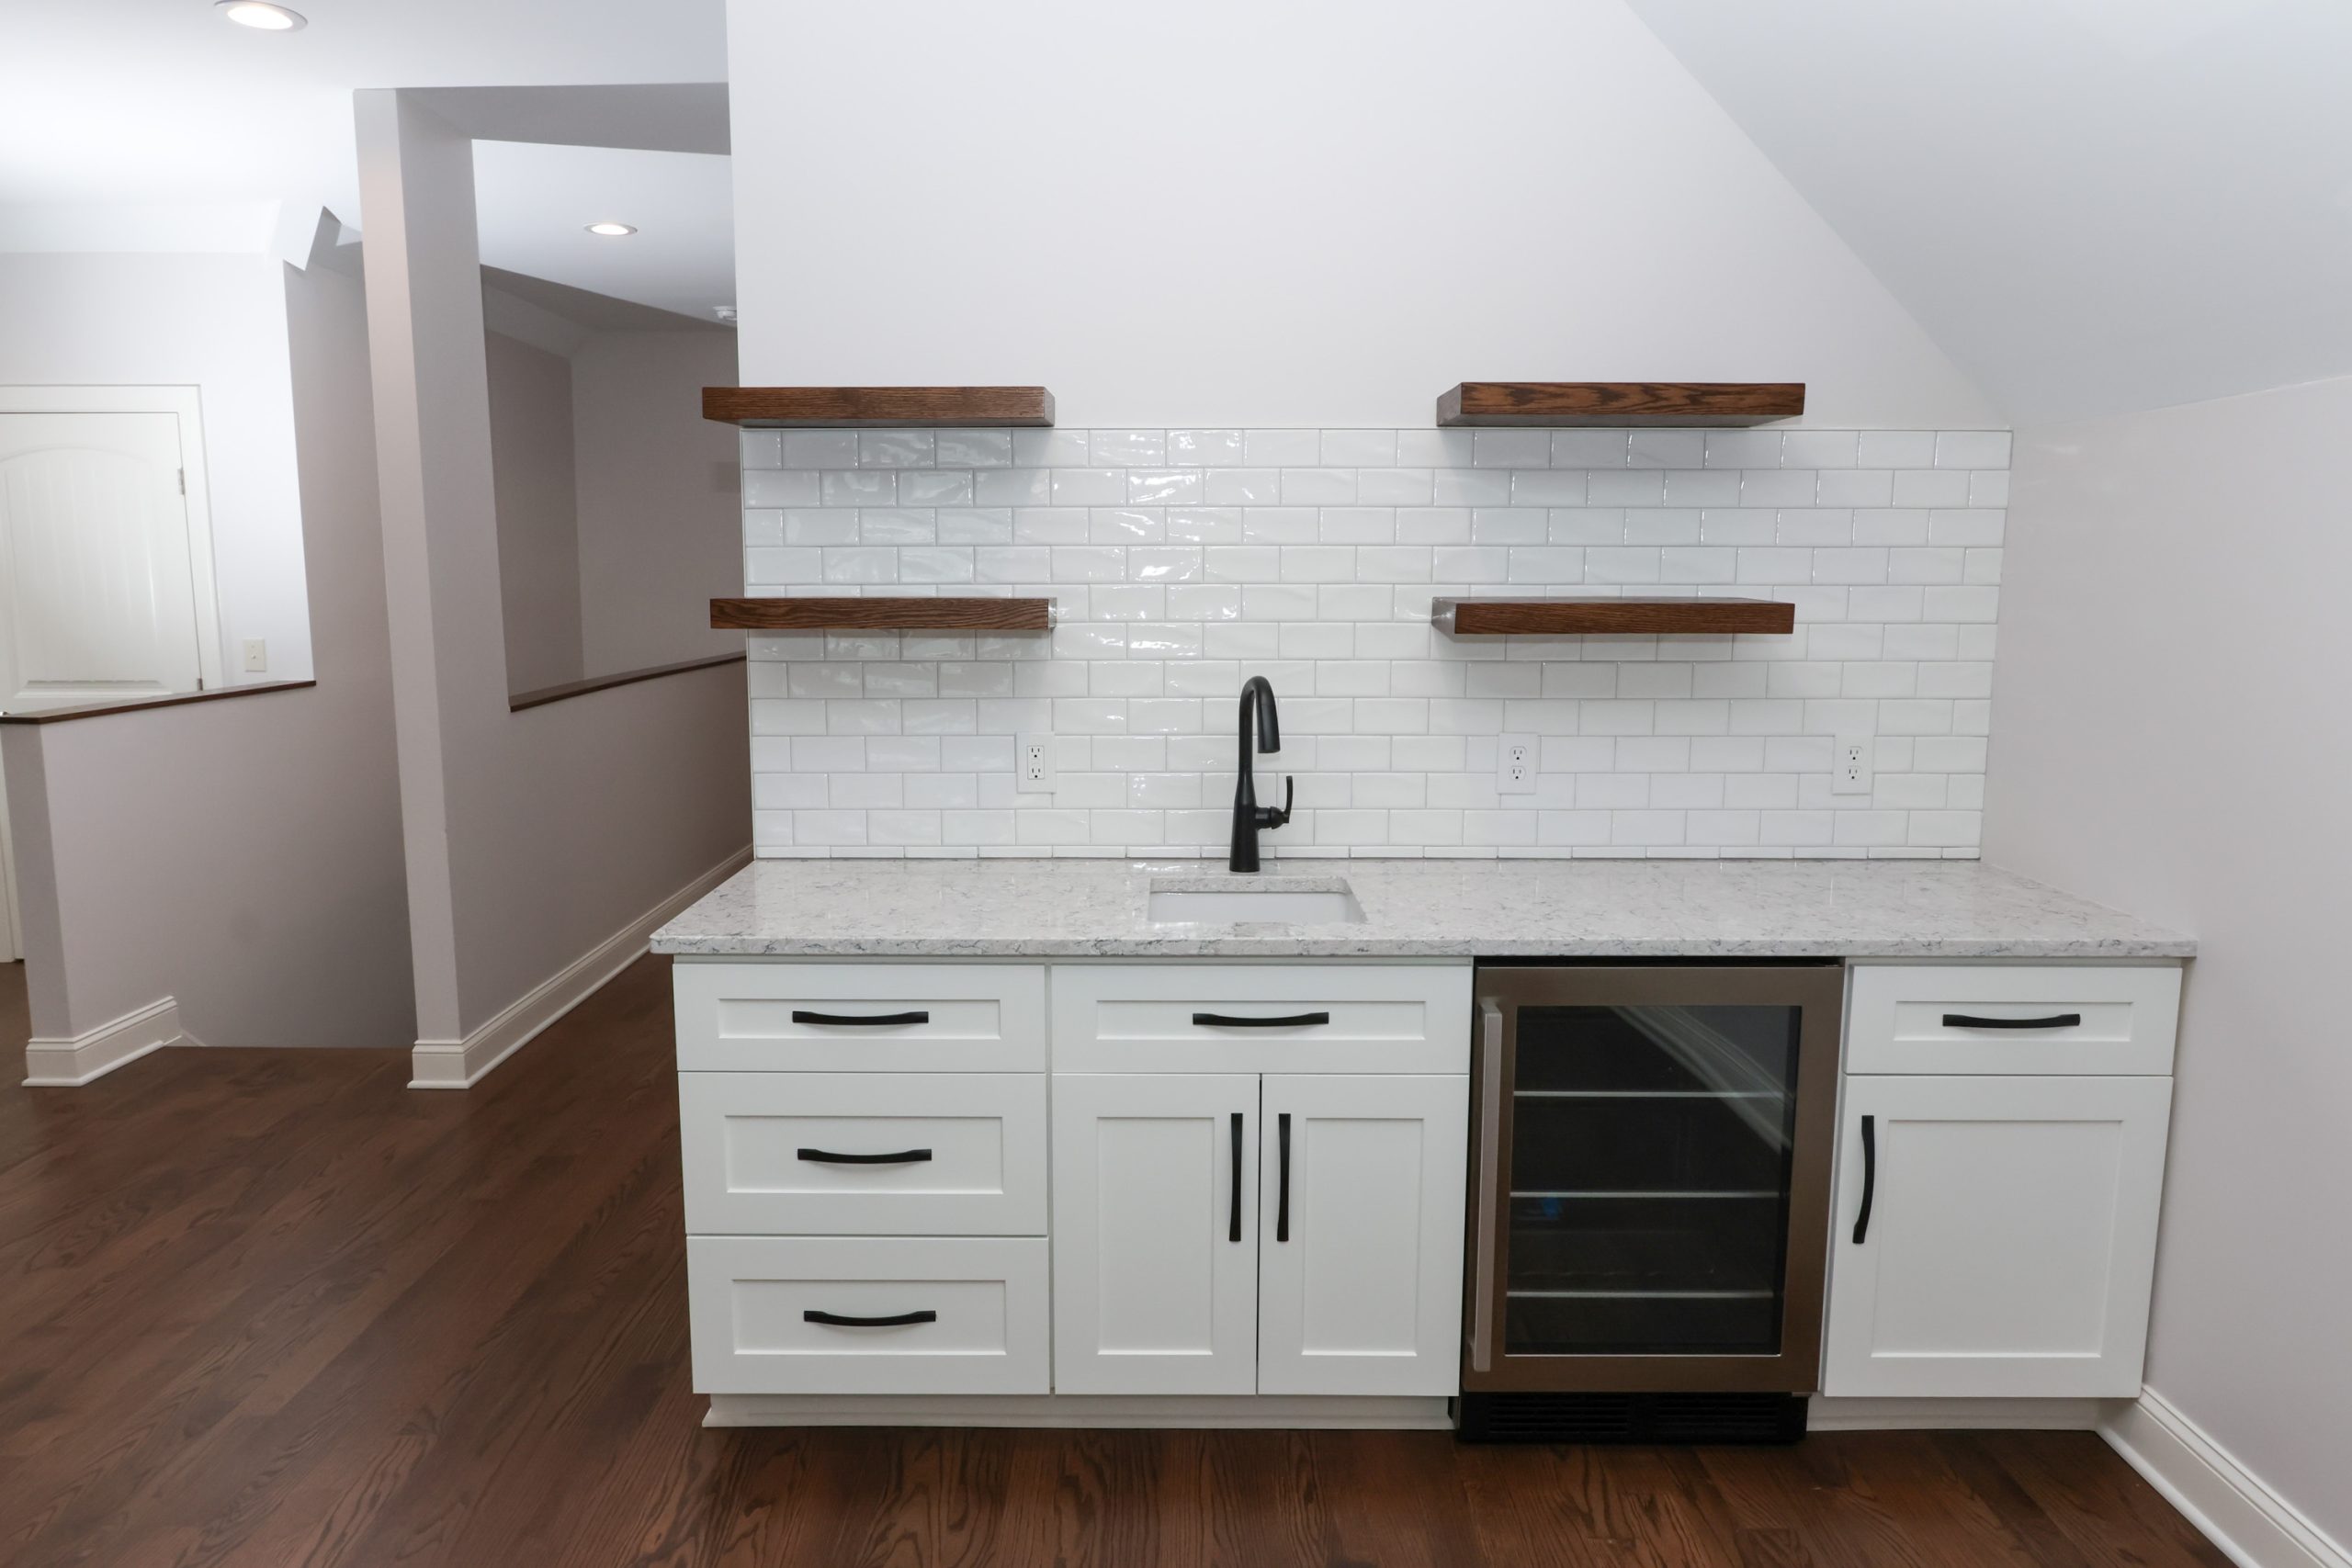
(877, 614)
(1645, 404)
(1597, 614)
(771, 408)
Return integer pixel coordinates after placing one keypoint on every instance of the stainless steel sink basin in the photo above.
(1252, 900)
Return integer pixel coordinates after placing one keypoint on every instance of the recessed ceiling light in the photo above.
(261, 14)
(611, 231)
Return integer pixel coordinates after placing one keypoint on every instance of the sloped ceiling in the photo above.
(2093, 206)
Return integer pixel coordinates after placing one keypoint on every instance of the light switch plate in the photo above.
(256, 654)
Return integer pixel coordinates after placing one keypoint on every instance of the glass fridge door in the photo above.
(1658, 1149)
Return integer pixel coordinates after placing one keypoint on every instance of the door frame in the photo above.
(187, 403)
(12, 919)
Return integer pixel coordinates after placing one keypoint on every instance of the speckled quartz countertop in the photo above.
(1062, 908)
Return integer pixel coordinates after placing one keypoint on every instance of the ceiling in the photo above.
(2092, 205)
(533, 203)
(161, 101)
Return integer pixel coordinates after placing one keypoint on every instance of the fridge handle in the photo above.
(1483, 1307)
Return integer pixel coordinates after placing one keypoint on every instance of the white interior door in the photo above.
(1155, 1232)
(98, 584)
(2011, 1238)
(1360, 1272)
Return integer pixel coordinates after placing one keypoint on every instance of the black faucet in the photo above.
(1248, 814)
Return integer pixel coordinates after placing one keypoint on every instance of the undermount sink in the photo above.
(1297, 901)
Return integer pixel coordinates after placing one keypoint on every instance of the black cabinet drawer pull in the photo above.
(1233, 1219)
(1281, 1203)
(1969, 1021)
(864, 1020)
(827, 1157)
(1229, 1020)
(1870, 1179)
(900, 1320)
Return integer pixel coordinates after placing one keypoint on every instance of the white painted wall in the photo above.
(243, 856)
(2175, 742)
(216, 323)
(532, 837)
(1320, 213)
(660, 498)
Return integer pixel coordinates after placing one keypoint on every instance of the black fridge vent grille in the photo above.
(1631, 1417)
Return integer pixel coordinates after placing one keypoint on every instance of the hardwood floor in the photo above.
(274, 1309)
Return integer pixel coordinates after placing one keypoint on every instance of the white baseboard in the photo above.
(2232, 1506)
(1245, 1411)
(68, 1064)
(1955, 1414)
(461, 1064)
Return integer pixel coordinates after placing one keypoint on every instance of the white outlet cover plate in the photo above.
(1024, 781)
(1522, 746)
(1851, 766)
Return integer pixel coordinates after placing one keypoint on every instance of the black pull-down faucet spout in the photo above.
(1257, 702)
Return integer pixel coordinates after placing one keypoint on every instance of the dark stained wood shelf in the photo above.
(1605, 615)
(1645, 404)
(542, 697)
(879, 614)
(768, 408)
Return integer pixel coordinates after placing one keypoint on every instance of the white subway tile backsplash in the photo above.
(1186, 560)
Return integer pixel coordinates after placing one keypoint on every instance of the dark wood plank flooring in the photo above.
(275, 1309)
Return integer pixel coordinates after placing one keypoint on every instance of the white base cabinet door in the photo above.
(1155, 1232)
(1360, 1234)
(2010, 1237)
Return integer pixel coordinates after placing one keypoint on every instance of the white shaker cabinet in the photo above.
(1994, 1235)
(1155, 1232)
(1217, 1233)
(1360, 1234)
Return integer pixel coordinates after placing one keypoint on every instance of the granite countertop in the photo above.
(1072, 909)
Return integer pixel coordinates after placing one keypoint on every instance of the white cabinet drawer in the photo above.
(806, 1154)
(931, 1314)
(1249, 1018)
(783, 1016)
(2012, 1019)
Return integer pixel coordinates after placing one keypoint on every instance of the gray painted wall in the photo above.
(533, 459)
(661, 507)
(2174, 740)
(242, 856)
(531, 836)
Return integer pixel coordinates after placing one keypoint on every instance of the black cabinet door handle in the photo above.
(860, 1020)
(1230, 1021)
(1281, 1203)
(1969, 1021)
(1870, 1179)
(842, 1320)
(827, 1157)
(1233, 1219)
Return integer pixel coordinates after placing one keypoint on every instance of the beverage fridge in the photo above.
(1650, 1200)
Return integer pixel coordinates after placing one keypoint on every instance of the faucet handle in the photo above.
(1275, 818)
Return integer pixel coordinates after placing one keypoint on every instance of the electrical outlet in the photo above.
(1850, 768)
(1515, 765)
(1032, 760)
(256, 654)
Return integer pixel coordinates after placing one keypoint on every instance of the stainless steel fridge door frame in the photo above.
(1819, 990)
